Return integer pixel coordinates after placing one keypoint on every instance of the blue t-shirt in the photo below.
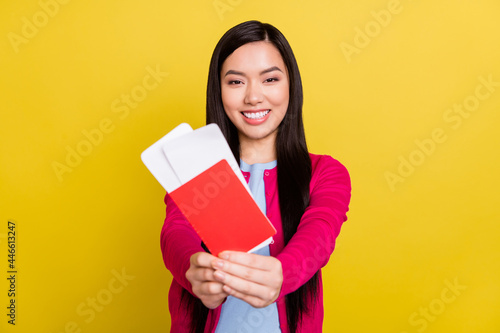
(237, 315)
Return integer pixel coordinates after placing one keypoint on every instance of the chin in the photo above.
(258, 134)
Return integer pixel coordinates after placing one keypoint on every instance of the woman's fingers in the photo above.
(209, 288)
(256, 294)
(200, 274)
(200, 269)
(254, 301)
(204, 285)
(260, 269)
(212, 301)
(249, 259)
(226, 268)
(201, 259)
(253, 278)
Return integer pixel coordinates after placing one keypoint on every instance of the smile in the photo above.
(256, 115)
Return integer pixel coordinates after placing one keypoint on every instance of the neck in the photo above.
(258, 151)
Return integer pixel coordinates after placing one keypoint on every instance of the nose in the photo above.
(254, 94)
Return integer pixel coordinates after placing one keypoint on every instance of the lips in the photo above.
(256, 115)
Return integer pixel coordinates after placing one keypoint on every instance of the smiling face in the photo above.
(255, 90)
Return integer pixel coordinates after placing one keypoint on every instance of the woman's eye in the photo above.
(272, 79)
(235, 82)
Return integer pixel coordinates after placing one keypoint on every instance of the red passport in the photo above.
(222, 211)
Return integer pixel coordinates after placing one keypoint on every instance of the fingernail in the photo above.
(224, 256)
(219, 275)
(219, 263)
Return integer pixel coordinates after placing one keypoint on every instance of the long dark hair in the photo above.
(293, 162)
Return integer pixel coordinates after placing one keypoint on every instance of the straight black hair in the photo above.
(293, 161)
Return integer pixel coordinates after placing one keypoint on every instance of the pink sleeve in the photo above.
(178, 243)
(313, 243)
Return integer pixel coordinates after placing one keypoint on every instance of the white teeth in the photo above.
(256, 115)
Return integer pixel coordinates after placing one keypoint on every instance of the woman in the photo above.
(254, 94)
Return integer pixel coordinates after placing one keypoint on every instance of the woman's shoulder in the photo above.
(324, 161)
(327, 166)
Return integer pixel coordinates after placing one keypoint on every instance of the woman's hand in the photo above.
(253, 278)
(203, 282)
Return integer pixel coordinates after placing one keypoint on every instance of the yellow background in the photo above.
(403, 243)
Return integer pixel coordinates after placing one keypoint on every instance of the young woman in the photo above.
(254, 94)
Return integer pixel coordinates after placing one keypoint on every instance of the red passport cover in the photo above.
(221, 210)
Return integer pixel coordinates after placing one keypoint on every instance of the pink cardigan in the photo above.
(306, 253)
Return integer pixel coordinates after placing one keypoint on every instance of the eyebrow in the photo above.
(270, 69)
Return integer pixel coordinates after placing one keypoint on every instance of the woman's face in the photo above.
(255, 90)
